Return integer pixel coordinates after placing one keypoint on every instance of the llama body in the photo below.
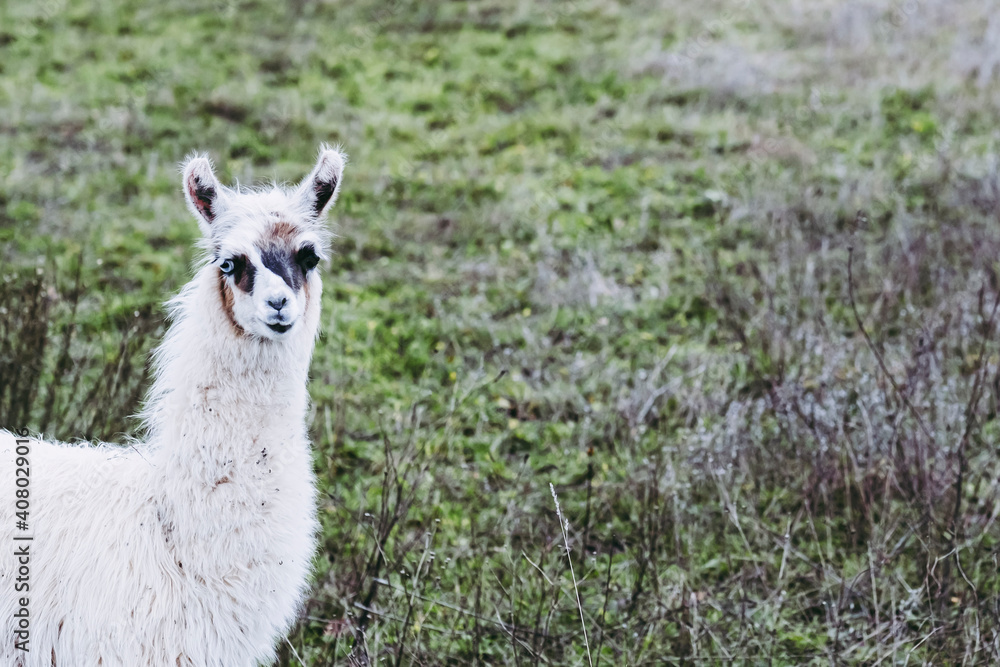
(192, 548)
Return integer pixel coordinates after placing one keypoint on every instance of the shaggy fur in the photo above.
(192, 548)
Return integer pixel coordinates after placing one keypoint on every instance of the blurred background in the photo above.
(722, 273)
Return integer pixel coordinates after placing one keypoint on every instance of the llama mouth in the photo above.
(279, 328)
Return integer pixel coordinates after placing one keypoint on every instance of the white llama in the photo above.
(193, 548)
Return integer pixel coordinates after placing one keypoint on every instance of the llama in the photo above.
(192, 548)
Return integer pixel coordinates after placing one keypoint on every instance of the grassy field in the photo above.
(722, 276)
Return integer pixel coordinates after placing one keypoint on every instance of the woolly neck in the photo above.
(216, 388)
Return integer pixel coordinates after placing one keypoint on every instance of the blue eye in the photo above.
(227, 267)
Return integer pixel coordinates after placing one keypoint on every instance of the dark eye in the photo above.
(307, 258)
(227, 267)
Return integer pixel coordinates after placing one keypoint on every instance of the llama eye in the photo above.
(227, 267)
(307, 258)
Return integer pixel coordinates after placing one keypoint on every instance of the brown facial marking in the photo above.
(282, 231)
(228, 302)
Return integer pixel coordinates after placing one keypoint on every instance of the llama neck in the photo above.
(218, 391)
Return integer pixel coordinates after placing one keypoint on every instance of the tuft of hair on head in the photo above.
(204, 194)
(318, 191)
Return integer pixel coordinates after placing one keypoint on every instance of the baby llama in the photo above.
(193, 548)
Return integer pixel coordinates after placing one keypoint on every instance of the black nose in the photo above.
(277, 304)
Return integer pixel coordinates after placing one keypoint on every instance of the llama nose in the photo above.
(278, 304)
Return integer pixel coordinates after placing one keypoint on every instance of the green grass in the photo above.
(595, 244)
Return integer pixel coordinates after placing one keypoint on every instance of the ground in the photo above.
(718, 280)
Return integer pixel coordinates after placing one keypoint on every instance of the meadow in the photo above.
(720, 279)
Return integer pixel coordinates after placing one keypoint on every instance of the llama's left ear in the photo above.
(202, 191)
(318, 191)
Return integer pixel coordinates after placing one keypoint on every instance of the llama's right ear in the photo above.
(202, 191)
(318, 191)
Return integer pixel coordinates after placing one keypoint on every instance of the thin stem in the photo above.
(871, 346)
(564, 527)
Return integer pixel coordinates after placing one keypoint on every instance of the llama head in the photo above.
(265, 244)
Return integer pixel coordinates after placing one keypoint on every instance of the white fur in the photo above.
(192, 548)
